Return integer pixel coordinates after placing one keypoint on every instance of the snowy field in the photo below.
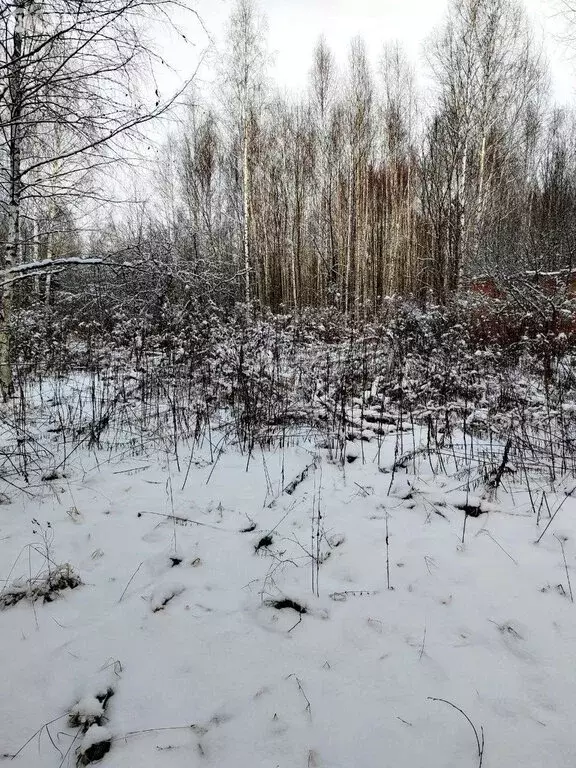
(285, 609)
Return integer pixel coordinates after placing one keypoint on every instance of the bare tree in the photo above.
(70, 88)
(359, 108)
(398, 121)
(488, 70)
(322, 98)
(242, 79)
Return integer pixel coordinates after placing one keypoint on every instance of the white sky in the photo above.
(295, 25)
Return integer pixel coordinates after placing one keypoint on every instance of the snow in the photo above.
(461, 499)
(96, 734)
(221, 677)
(352, 450)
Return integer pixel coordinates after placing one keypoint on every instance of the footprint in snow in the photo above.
(513, 635)
(163, 594)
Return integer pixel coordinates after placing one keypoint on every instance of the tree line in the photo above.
(369, 184)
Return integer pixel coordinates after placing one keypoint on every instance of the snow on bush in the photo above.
(88, 711)
(45, 587)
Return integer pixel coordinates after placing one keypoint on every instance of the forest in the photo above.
(369, 185)
(287, 391)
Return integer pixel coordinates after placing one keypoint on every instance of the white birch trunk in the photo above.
(14, 207)
(246, 203)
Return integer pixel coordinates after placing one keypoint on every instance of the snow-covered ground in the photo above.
(173, 649)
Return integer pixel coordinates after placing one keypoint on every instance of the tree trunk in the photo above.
(14, 206)
(246, 202)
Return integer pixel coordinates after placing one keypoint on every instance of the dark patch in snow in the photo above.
(249, 528)
(291, 487)
(473, 510)
(264, 543)
(163, 595)
(95, 752)
(105, 696)
(52, 474)
(286, 602)
(163, 604)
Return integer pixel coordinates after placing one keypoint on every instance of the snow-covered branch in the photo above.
(54, 266)
(49, 264)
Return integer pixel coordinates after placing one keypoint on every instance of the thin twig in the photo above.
(479, 738)
(36, 733)
(130, 581)
(423, 645)
(566, 568)
(301, 689)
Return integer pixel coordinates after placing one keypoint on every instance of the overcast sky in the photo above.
(295, 25)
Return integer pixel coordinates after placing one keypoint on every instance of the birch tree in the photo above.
(70, 69)
(322, 97)
(487, 68)
(360, 133)
(242, 80)
(398, 125)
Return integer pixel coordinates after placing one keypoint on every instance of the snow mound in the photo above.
(352, 451)
(472, 505)
(88, 711)
(402, 489)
